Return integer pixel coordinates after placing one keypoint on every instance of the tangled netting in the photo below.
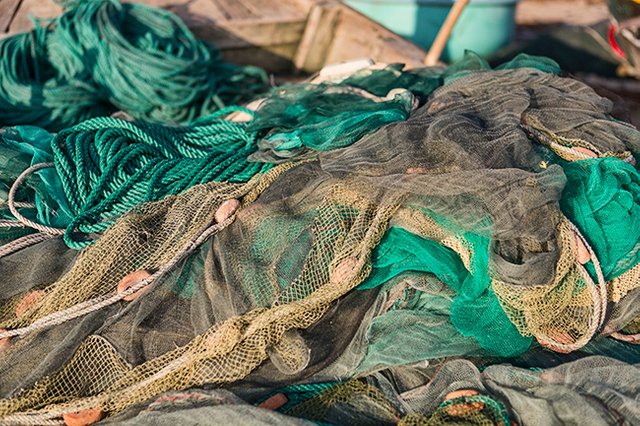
(86, 176)
(498, 221)
(104, 166)
(97, 170)
(103, 56)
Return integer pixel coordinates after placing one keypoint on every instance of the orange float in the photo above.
(132, 279)
(83, 417)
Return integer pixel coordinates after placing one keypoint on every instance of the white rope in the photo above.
(23, 242)
(599, 296)
(13, 205)
(31, 419)
(10, 223)
(634, 339)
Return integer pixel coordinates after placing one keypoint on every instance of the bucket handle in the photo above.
(433, 56)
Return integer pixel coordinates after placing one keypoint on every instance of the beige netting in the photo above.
(622, 285)
(563, 315)
(238, 276)
(149, 238)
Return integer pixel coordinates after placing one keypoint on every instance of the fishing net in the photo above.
(457, 393)
(101, 168)
(461, 216)
(460, 393)
(301, 118)
(81, 179)
(103, 56)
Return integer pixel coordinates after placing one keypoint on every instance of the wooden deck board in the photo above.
(318, 36)
(8, 9)
(41, 9)
(188, 10)
(273, 34)
(357, 37)
(236, 9)
(281, 9)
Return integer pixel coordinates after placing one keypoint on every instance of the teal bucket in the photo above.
(484, 26)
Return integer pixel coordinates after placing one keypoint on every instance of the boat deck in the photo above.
(279, 35)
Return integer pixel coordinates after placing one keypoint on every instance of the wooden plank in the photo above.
(318, 36)
(356, 36)
(281, 9)
(275, 59)
(41, 9)
(333, 33)
(251, 32)
(188, 10)
(236, 9)
(8, 9)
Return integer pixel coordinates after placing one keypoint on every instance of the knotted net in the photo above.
(471, 192)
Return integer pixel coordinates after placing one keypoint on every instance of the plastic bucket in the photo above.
(484, 27)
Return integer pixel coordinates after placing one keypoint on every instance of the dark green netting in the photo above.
(445, 197)
(602, 198)
(313, 116)
(25, 146)
(475, 310)
(103, 167)
(472, 62)
(301, 117)
(316, 118)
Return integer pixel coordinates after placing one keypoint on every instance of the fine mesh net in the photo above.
(458, 220)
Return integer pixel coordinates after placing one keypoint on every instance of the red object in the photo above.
(274, 402)
(611, 37)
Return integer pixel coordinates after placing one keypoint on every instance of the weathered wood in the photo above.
(281, 9)
(253, 32)
(235, 9)
(189, 10)
(318, 36)
(274, 34)
(356, 36)
(276, 59)
(8, 9)
(41, 9)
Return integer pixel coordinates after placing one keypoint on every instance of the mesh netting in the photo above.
(459, 216)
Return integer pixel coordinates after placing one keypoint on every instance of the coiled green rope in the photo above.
(30, 92)
(106, 166)
(103, 56)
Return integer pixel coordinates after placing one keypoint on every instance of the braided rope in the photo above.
(103, 301)
(23, 242)
(102, 56)
(599, 296)
(14, 211)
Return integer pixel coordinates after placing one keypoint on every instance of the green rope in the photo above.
(106, 166)
(103, 56)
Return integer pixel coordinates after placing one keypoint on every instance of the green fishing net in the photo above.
(602, 198)
(313, 116)
(475, 311)
(105, 166)
(345, 246)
